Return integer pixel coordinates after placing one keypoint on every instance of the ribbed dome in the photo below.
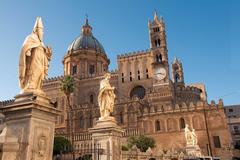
(86, 41)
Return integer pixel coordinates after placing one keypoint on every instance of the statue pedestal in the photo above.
(106, 135)
(30, 122)
(193, 150)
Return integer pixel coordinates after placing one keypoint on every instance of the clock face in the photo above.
(160, 73)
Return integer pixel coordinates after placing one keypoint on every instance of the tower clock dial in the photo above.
(160, 73)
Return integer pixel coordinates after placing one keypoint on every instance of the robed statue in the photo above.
(190, 136)
(34, 60)
(106, 97)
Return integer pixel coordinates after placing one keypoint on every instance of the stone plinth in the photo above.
(106, 135)
(29, 132)
(193, 151)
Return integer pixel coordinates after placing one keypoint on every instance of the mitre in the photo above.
(38, 24)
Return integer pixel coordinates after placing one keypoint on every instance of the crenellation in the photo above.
(6, 102)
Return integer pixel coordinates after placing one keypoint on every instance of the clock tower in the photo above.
(159, 52)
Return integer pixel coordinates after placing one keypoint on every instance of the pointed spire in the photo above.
(38, 24)
(86, 20)
(149, 23)
(155, 16)
(175, 60)
(161, 19)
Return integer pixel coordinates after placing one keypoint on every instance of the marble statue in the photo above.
(190, 136)
(34, 59)
(106, 97)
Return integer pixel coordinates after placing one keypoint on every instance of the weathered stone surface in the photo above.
(30, 122)
(107, 134)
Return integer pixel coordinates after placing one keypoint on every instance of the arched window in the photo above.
(122, 77)
(138, 91)
(157, 125)
(91, 98)
(138, 75)
(121, 118)
(91, 69)
(90, 121)
(176, 77)
(74, 69)
(130, 78)
(159, 42)
(81, 122)
(182, 123)
(160, 58)
(147, 73)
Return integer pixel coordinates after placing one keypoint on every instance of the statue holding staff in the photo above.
(34, 60)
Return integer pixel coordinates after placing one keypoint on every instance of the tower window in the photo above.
(91, 69)
(121, 118)
(156, 29)
(122, 77)
(176, 77)
(81, 122)
(74, 69)
(158, 58)
(138, 75)
(157, 125)
(147, 73)
(90, 123)
(91, 98)
(130, 76)
(157, 42)
(217, 143)
(182, 123)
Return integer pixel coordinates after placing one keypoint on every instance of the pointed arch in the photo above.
(182, 123)
(157, 125)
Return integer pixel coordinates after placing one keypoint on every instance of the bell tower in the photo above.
(158, 45)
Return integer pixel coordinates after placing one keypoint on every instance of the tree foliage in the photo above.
(67, 85)
(142, 142)
(60, 144)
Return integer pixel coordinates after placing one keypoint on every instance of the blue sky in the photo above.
(204, 34)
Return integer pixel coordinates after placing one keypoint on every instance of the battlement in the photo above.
(6, 102)
(52, 79)
(133, 54)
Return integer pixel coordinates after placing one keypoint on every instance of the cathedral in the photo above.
(151, 96)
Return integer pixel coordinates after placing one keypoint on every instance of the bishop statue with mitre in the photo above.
(34, 60)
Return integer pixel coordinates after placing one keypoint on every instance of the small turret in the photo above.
(177, 71)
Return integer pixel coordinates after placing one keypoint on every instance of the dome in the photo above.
(86, 41)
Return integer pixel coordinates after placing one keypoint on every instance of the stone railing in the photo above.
(82, 136)
(131, 132)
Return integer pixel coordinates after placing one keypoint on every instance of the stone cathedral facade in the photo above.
(151, 95)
